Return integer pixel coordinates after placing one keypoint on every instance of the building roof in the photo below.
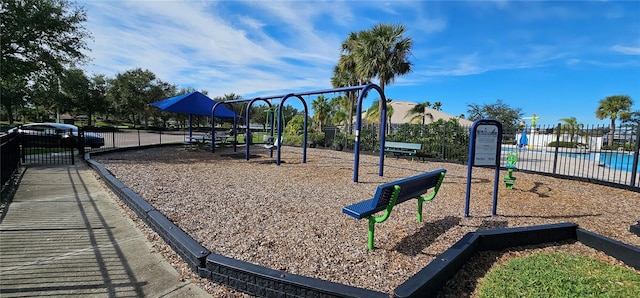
(401, 111)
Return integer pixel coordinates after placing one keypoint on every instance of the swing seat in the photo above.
(272, 146)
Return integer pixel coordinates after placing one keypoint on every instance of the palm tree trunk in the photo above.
(380, 107)
(351, 100)
(613, 129)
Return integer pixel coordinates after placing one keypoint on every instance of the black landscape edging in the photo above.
(258, 280)
(626, 253)
(635, 228)
(266, 282)
(188, 248)
(499, 239)
(137, 203)
(431, 279)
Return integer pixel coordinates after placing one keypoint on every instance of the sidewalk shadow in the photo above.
(8, 192)
(74, 253)
(109, 275)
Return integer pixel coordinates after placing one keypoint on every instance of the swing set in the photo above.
(362, 91)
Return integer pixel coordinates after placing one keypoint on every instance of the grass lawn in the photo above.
(559, 275)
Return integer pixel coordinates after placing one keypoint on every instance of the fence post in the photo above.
(444, 135)
(634, 168)
(555, 156)
(138, 136)
(81, 142)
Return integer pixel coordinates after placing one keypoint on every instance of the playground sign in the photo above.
(484, 150)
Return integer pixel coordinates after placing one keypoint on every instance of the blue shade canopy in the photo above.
(194, 103)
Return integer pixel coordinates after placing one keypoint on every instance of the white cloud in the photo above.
(626, 50)
(273, 47)
(190, 44)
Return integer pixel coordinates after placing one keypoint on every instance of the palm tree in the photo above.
(382, 52)
(373, 113)
(345, 74)
(437, 106)
(571, 124)
(611, 107)
(339, 106)
(420, 111)
(321, 110)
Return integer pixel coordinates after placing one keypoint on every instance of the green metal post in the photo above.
(372, 226)
(373, 220)
(509, 179)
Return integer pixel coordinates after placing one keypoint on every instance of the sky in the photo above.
(555, 59)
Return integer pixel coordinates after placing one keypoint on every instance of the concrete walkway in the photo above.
(64, 235)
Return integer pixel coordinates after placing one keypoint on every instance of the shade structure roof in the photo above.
(194, 103)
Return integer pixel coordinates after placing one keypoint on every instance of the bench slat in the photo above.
(400, 145)
(360, 210)
(400, 151)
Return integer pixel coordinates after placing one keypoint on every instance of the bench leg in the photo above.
(372, 225)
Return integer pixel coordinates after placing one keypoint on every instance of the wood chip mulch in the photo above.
(289, 217)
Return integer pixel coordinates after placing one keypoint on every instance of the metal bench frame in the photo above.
(390, 194)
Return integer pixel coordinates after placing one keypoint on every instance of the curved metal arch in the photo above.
(248, 128)
(304, 138)
(213, 124)
(235, 122)
(363, 90)
(356, 151)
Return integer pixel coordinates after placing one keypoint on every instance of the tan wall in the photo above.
(401, 109)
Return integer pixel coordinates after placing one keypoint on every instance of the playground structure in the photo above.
(509, 179)
(362, 91)
(524, 140)
(272, 121)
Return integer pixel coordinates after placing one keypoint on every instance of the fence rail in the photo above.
(591, 153)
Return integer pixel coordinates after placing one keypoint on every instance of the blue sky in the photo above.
(556, 59)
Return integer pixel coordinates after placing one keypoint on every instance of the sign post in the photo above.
(484, 150)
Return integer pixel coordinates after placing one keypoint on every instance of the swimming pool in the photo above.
(618, 161)
(614, 160)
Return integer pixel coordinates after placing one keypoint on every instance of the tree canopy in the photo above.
(381, 52)
(500, 111)
(40, 39)
(419, 111)
(613, 107)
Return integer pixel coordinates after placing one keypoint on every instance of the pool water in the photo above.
(614, 160)
(619, 161)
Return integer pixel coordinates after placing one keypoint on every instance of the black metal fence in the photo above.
(137, 137)
(9, 156)
(593, 153)
(42, 147)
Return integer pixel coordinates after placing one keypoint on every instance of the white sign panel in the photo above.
(486, 145)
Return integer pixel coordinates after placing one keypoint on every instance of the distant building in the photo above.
(401, 115)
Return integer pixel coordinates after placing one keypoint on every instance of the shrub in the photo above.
(566, 144)
(316, 137)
